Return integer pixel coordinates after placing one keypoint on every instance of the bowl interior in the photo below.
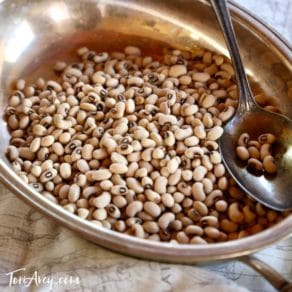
(36, 35)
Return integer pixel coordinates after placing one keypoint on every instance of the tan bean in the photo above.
(183, 133)
(267, 138)
(160, 184)
(221, 206)
(58, 148)
(36, 170)
(48, 174)
(101, 174)
(99, 154)
(133, 208)
(215, 133)
(118, 168)
(132, 168)
(187, 175)
(87, 151)
(152, 196)
(199, 173)
(151, 227)
(194, 230)
(165, 219)
(172, 165)
(134, 184)
(249, 215)
(200, 132)
(174, 178)
(100, 214)
(243, 140)
(82, 165)
(206, 162)
(177, 70)
(154, 237)
(90, 190)
(219, 170)
(198, 240)
(74, 193)
(213, 196)
(269, 164)
(198, 191)
(265, 150)
(118, 158)
(182, 237)
(253, 152)
(201, 77)
(200, 208)
(138, 231)
(227, 113)
(81, 180)
(207, 100)
(228, 226)
(70, 208)
(167, 200)
(113, 211)
(242, 152)
(65, 170)
(35, 144)
(26, 153)
(102, 200)
(235, 214)
(152, 209)
(255, 164)
(119, 201)
(212, 232)
(82, 213)
(191, 141)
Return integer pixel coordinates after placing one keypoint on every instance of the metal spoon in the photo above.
(273, 191)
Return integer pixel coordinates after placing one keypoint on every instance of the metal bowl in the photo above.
(35, 34)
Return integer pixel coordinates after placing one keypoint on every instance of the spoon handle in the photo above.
(246, 100)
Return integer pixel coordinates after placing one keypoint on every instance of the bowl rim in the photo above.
(179, 253)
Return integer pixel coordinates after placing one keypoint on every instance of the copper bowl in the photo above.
(34, 34)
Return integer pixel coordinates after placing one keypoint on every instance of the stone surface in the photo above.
(30, 241)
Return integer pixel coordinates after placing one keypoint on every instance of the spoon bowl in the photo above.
(274, 191)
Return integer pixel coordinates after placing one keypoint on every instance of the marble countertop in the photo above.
(39, 247)
(276, 13)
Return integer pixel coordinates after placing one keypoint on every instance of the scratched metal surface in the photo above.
(30, 241)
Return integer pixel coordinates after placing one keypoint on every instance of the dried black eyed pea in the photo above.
(243, 140)
(255, 164)
(257, 153)
(152, 209)
(119, 190)
(113, 211)
(267, 138)
(253, 152)
(212, 232)
(133, 208)
(242, 152)
(269, 164)
(265, 150)
(101, 174)
(165, 219)
(130, 143)
(47, 175)
(118, 168)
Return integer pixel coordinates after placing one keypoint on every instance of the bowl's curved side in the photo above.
(138, 247)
